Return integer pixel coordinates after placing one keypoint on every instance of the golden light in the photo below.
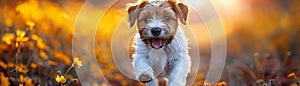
(230, 7)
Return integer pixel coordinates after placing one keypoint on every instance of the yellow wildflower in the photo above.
(52, 63)
(77, 62)
(3, 65)
(36, 38)
(4, 80)
(291, 75)
(20, 37)
(20, 33)
(28, 82)
(43, 55)
(7, 38)
(39, 42)
(17, 44)
(22, 68)
(25, 80)
(41, 45)
(21, 78)
(30, 24)
(60, 79)
(33, 65)
(10, 65)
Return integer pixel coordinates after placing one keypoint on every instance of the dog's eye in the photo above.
(147, 19)
(167, 18)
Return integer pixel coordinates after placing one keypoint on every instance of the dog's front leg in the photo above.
(143, 69)
(179, 71)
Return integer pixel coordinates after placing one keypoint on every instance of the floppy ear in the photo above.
(132, 14)
(182, 12)
(134, 10)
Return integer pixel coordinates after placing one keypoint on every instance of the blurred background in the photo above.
(263, 38)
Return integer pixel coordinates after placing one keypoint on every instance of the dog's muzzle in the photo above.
(156, 42)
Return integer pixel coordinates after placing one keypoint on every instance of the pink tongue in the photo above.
(156, 42)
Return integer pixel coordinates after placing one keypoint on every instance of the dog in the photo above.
(160, 44)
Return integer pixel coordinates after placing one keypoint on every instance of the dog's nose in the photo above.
(155, 31)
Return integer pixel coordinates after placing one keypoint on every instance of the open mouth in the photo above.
(156, 43)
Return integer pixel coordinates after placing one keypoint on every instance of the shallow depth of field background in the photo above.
(263, 38)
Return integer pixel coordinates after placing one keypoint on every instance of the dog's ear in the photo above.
(133, 11)
(182, 12)
(132, 14)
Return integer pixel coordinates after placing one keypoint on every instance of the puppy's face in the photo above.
(157, 21)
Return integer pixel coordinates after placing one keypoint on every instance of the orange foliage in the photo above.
(62, 57)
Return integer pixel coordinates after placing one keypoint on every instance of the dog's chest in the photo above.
(158, 60)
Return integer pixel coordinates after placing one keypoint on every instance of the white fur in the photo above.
(172, 60)
(155, 3)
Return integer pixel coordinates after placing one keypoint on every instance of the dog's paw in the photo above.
(145, 77)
